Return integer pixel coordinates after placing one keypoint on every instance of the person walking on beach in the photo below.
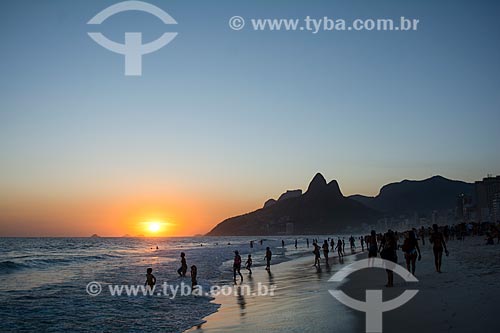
(388, 246)
(150, 278)
(437, 239)
(339, 248)
(343, 246)
(183, 269)
(248, 264)
(422, 235)
(412, 251)
(268, 258)
(317, 255)
(332, 244)
(362, 241)
(237, 265)
(194, 274)
(326, 249)
(372, 245)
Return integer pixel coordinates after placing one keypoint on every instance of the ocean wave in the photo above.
(10, 266)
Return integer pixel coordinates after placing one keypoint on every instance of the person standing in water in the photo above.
(150, 278)
(182, 271)
(237, 265)
(437, 239)
(307, 242)
(389, 246)
(268, 258)
(412, 251)
(282, 243)
(362, 241)
(248, 264)
(295, 243)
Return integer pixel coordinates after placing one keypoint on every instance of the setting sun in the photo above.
(154, 226)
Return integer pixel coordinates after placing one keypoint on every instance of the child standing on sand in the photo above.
(248, 264)
(150, 278)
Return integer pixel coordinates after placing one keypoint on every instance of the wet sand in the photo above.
(463, 298)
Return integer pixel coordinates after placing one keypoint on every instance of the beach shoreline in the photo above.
(302, 302)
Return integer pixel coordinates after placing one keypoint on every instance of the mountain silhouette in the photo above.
(321, 209)
(417, 196)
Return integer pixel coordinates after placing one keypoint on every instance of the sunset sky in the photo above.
(223, 120)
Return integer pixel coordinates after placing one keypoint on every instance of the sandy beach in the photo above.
(461, 299)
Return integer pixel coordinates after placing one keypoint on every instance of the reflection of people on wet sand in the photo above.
(437, 239)
(182, 271)
(268, 258)
(248, 264)
(150, 278)
(237, 266)
(194, 274)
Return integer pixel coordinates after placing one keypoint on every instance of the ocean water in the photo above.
(43, 280)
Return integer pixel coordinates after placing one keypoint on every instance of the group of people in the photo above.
(386, 245)
(248, 264)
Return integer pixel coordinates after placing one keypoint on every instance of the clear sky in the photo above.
(222, 120)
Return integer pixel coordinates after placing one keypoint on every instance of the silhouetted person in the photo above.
(282, 243)
(422, 234)
(332, 244)
(295, 243)
(237, 265)
(268, 258)
(437, 239)
(183, 269)
(194, 274)
(248, 264)
(343, 246)
(325, 251)
(372, 245)
(362, 241)
(307, 242)
(339, 248)
(251, 244)
(389, 246)
(412, 251)
(316, 255)
(150, 278)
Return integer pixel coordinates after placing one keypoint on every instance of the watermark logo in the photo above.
(374, 306)
(133, 49)
(182, 289)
